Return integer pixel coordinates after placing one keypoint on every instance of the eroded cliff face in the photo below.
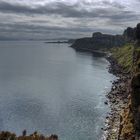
(135, 84)
(135, 94)
(124, 60)
(129, 58)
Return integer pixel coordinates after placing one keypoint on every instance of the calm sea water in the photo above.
(52, 88)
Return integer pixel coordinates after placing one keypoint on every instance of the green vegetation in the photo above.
(124, 56)
(35, 136)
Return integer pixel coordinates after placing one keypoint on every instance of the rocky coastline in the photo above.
(118, 100)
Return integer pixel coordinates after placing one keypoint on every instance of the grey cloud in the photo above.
(107, 14)
(115, 12)
(63, 9)
(113, 4)
(16, 8)
(36, 28)
(35, 31)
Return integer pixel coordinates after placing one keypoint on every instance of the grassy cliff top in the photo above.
(127, 56)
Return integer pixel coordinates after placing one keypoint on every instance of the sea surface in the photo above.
(53, 89)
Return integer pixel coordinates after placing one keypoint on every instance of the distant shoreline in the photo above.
(70, 41)
(57, 42)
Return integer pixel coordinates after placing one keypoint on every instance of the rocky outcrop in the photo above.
(138, 33)
(130, 34)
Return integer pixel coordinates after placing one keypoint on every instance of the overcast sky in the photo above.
(66, 18)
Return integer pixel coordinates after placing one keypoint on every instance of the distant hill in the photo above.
(99, 40)
(70, 41)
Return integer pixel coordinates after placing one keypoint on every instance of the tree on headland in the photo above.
(24, 132)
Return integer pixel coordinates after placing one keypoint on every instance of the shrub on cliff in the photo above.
(35, 136)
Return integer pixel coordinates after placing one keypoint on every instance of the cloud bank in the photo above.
(42, 19)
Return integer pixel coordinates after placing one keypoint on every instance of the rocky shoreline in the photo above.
(117, 99)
